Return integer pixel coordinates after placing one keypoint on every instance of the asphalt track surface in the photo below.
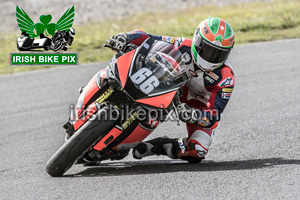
(254, 155)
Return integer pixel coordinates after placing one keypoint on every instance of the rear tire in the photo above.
(83, 139)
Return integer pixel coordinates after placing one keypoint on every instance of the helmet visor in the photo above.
(210, 52)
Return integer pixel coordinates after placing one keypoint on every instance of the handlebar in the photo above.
(112, 48)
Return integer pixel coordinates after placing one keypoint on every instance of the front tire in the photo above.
(83, 139)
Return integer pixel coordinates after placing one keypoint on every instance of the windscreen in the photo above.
(165, 61)
(157, 69)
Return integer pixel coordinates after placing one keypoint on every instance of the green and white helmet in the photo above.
(212, 43)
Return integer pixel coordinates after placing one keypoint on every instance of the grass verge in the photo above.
(252, 22)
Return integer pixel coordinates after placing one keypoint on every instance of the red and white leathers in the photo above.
(208, 92)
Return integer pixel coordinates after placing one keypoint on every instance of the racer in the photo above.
(204, 97)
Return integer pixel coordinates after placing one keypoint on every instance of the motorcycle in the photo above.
(62, 39)
(144, 82)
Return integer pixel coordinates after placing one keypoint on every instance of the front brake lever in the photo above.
(112, 48)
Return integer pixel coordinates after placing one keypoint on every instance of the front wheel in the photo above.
(81, 141)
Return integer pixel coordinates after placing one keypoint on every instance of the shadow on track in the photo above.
(170, 166)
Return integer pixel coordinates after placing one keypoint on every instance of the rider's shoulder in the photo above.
(227, 76)
(227, 70)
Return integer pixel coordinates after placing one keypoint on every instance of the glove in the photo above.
(187, 114)
(121, 42)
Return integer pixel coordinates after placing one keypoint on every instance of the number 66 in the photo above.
(147, 86)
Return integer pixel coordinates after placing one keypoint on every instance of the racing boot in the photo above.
(157, 146)
(173, 148)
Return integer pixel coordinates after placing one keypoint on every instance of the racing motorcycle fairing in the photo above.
(162, 101)
(88, 92)
(123, 64)
(87, 103)
(153, 69)
(107, 139)
(126, 72)
(133, 137)
(138, 135)
(147, 78)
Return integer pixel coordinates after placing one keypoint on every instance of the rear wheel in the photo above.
(81, 141)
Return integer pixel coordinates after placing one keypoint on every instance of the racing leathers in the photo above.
(206, 92)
